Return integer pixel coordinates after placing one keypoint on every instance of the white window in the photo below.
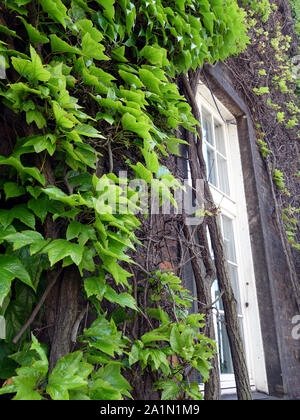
(226, 367)
(215, 151)
(222, 156)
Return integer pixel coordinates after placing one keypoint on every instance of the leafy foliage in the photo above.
(82, 76)
(279, 85)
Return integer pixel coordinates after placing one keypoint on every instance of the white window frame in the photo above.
(234, 207)
(213, 147)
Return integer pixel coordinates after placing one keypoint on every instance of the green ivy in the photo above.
(82, 76)
(284, 81)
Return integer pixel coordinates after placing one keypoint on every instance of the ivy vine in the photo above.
(82, 79)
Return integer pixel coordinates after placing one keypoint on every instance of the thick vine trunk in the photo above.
(212, 390)
(62, 300)
(66, 313)
(198, 171)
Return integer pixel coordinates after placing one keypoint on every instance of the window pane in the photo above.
(209, 243)
(233, 274)
(220, 141)
(229, 239)
(207, 128)
(223, 175)
(216, 295)
(209, 156)
(226, 365)
(224, 347)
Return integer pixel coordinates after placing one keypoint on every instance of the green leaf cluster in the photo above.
(84, 79)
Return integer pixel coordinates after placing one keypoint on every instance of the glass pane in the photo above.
(207, 128)
(209, 156)
(233, 274)
(224, 348)
(216, 295)
(228, 236)
(223, 174)
(219, 134)
(209, 243)
(226, 365)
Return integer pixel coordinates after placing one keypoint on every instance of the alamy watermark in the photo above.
(2, 67)
(160, 196)
(2, 328)
(296, 328)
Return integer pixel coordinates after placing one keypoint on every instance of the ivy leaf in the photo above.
(93, 49)
(11, 268)
(175, 340)
(87, 262)
(86, 25)
(155, 358)
(6, 218)
(130, 123)
(123, 299)
(109, 10)
(103, 335)
(55, 193)
(19, 212)
(70, 373)
(22, 213)
(56, 10)
(154, 336)
(88, 131)
(95, 286)
(35, 116)
(142, 172)
(102, 391)
(155, 55)
(62, 117)
(16, 163)
(118, 54)
(170, 389)
(32, 70)
(119, 274)
(21, 239)
(41, 143)
(150, 80)
(134, 355)
(203, 5)
(34, 191)
(180, 4)
(208, 19)
(112, 375)
(42, 364)
(8, 31)
(151, 160)
(34, 34)
(34, 265)
(80, 231)
(203, 367)
(41, 206)
(194, 392)
(60, 46)
(60, 249)
(130, 13)
(12, 189)
(131, 79)
(25, 384)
